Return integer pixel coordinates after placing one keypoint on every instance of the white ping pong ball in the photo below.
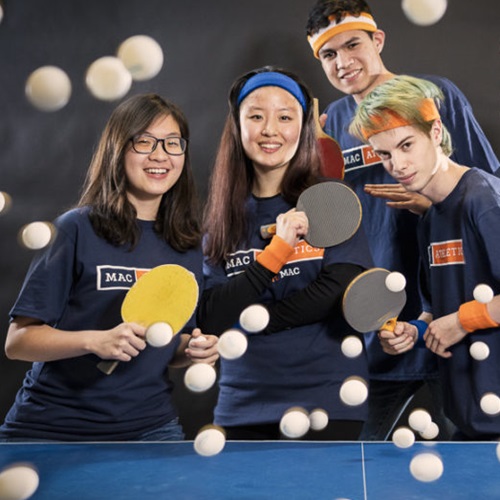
(354, 391)
(36, 235)
(424, 12)
(395, 282)
(18, 482)
(209, 441)
(159, 334)
(490, 404)
(318, 419)
(403, 437)
(426, 467)
(479, 350)
(431, 432)
(142, 56)
(483, 293)
(200, 377)
(108, 79)
(419, 420)
(232, 344)
(254, 318)
(48, 88)
(295, 423)
(351, 346)
(5, 202)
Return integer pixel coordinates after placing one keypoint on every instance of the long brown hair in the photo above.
(112, 215)
(226, 218)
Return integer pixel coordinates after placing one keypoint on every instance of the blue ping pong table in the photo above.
(255, 470)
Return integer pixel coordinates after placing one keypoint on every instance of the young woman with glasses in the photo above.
(137, 211)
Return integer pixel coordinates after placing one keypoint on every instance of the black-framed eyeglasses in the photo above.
(145, 144)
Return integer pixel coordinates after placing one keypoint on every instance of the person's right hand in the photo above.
(123, 342)
(401, 340)
(291, 226)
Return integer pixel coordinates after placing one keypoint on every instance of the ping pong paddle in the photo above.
(368, 304)
(331, 157)
(167, 293)
(333, 210)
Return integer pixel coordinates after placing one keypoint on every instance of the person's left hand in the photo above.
(399, 197)
(443, 333)
(202, 348)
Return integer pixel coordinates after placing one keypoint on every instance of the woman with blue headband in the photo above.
(267, 156)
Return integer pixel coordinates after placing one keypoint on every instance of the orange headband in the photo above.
(390, 119)
(363, 22)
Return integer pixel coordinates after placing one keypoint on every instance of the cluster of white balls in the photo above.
(480, 350)
(296, 422)
(200, 377)
(108, 78)
(428, 466)
(233, 343)
(419, 421)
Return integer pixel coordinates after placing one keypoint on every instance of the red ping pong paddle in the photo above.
(332, 159)
(165, 294)
(333, 210)
(368, 304)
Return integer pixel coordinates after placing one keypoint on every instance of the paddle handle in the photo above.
(268, 231)
(107, 366)
(390, 324)
(319, 129)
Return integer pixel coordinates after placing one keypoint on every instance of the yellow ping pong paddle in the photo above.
(333, 210)
(368, 305)
(330, 153)
(165, 294)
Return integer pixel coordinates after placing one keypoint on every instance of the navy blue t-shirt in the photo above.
(301, 366)
(392, 233)
(78, 283)
(460, 242)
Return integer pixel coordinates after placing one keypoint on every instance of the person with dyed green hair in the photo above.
(416, 100)
(348, 41)
(458, 247)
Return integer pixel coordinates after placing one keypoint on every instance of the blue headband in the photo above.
(273, 79)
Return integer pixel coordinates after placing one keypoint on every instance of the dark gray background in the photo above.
(207, 44)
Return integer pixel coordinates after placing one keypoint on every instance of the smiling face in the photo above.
(150, 176)
(271, 124)
(411, 156)
(352, 62)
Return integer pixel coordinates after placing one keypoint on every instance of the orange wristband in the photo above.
(474, 315)
(275, 255)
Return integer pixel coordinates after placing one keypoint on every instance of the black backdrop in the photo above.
(207, 44)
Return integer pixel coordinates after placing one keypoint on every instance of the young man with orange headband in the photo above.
(458, 245)
(347, 41)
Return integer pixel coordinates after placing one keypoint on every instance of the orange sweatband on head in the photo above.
(275, 255)
(350, 22)
(474, 315)
(389, 119)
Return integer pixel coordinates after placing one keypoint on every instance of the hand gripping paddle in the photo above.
(167, 294)
(331, 156)
(369, 305)
(333, 210)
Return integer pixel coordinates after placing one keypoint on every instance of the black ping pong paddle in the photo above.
(368, 304)
(333, 210)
